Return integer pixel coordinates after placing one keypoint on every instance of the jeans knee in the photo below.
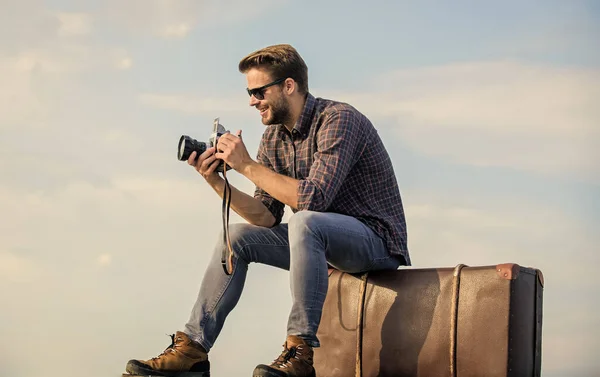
(238, 231)
(237, 234)
(305, 223)
(303, 219)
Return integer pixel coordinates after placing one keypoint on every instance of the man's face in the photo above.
(271, 102)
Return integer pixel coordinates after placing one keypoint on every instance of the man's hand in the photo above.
(251, 209)
(232, 150)
(206, 164)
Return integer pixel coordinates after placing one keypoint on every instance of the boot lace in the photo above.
(170, 348)
(287, 356)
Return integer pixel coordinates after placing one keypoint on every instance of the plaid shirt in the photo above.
(343, 167)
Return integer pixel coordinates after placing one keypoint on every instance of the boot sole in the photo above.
(182, 374)
(275, 375)
(135, 369)
(266, 373)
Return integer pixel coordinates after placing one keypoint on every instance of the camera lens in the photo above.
(187, 145)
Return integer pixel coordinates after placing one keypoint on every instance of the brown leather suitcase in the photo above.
(441, 322)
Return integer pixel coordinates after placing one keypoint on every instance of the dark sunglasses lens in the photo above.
(257, 93)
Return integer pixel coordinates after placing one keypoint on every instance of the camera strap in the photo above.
(227, 253)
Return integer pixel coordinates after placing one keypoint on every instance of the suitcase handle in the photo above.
(454, 317)
(359, 323)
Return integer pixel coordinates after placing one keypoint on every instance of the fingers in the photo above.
(230, 138)
(191, 159)
(223, 146)
(222, 142)
(206, 163)
(207, 153)
(211, 168)
(229, 141)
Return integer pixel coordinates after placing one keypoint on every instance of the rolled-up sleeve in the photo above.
(273, 205)
(340, 142)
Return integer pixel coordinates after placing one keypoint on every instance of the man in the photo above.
(323, 159)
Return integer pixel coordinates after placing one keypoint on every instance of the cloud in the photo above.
(104, 260)
(526, 116)
(26, 23)
(41, 217)
(67, 58)
(72, 24)
(479, 230)
(20, 101)
(45, 38)
(192, 104)
(15, 268)
(124, 63)
(177, 31)
(177, 19)
(41, 52)
(37, 83)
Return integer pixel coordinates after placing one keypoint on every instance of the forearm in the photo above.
(249, 208)
(280, 187)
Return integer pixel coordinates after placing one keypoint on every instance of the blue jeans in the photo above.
(304, 246)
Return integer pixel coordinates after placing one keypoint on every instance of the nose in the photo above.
(253, 101)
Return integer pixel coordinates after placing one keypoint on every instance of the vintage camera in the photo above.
(187, 145)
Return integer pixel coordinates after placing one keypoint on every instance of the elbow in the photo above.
(267, 221)
(270, 221)
(312, 198)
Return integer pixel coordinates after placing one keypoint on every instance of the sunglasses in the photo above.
(259, 93)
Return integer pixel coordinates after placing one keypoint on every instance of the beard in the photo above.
(279, 112)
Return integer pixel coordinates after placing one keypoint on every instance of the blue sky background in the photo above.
(489, 111)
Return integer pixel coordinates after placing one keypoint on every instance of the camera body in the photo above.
(187, 145)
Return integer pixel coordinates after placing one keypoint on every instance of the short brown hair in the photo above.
(281, 61)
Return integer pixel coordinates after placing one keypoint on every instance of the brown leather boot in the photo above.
(296, 360)
(182, 357)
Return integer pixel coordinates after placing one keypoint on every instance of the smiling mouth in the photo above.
(263, 111)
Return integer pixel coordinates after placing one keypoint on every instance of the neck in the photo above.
(296, 108)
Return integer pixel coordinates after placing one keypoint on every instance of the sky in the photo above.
(488, 109)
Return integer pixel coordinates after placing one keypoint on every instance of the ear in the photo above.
(289, 86)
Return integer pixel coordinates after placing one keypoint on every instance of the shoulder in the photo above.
(329, 106)
(331, 110)
(342, 115)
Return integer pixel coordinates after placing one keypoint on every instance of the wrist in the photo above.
(247, 168)
(214, 180)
